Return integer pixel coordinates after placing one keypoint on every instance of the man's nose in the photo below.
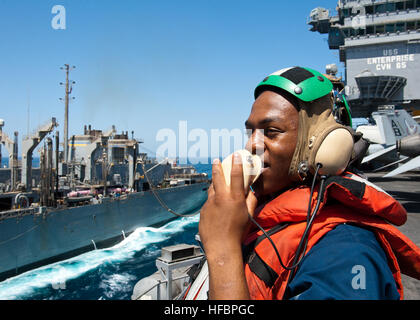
(255, 143)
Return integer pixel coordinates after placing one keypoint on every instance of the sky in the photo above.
(144, 66)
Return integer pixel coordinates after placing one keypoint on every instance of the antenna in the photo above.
(29, 101)
(68, 90)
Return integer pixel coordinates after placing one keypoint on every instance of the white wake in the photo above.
(58, 273)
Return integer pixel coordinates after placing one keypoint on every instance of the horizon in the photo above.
(144, 67)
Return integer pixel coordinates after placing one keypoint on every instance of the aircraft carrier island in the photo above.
(379, 44)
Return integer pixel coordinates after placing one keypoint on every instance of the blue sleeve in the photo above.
(348, 263)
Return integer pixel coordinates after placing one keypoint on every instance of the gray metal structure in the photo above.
(174, 275)
(379, 44)
(395, 139)
(29, 143)
(11, 146)
(103, 193)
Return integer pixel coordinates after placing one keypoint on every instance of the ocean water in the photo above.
(4, 162)
(105, 274)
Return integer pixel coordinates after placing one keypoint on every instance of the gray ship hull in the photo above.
(38, 239)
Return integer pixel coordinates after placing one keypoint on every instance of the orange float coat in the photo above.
(346, 199)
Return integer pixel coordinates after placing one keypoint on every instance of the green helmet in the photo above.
(319, 135)
(303, 83)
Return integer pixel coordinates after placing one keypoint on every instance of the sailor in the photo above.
(309, 228)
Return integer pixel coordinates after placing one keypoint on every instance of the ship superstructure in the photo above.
(379, 44)
(104, 192)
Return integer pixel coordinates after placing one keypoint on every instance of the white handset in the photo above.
(251, 165)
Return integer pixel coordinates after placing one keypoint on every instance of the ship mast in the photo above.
(68, 90)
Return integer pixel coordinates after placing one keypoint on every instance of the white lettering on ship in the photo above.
(391, 62)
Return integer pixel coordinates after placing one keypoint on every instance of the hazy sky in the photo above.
(146, 65)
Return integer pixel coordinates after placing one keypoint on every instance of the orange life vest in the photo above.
(347, 199)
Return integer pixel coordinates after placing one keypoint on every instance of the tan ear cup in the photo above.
(251, 165)
(334, 152)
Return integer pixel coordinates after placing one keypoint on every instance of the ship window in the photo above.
(346, 13)
(400, 27)
(411, 25)
(418, 4)
(369, 9)
(409, 4)
(369, 30)
(359, 32)
(390, 6)
(390, 28)
(380, 29)
(345, 32)
(399, 5)
(380, 8)
(117, 154)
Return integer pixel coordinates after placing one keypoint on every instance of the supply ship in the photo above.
(90, 195)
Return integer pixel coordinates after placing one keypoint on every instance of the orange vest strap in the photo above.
(257, 265)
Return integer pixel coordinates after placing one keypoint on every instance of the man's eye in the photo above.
(272, 131)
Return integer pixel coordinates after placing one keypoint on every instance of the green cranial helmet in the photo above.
(321, 141)
(303, 83)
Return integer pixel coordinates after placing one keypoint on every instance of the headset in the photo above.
(321, 140)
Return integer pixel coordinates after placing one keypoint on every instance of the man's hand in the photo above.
(223, 222)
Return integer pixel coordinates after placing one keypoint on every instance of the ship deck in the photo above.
(406, 189)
